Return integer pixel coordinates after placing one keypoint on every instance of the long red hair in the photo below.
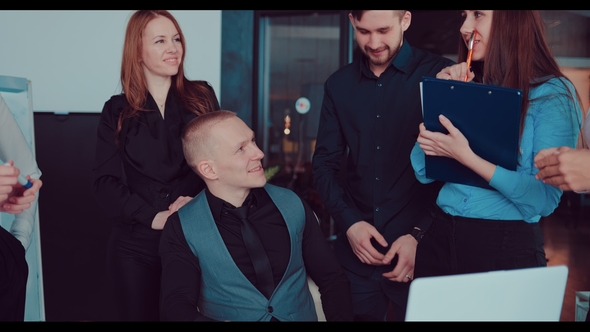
(195, 97)
(518, 55)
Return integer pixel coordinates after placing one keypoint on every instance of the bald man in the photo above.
(207, 271)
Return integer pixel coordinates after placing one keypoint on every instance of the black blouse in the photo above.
(147, 171)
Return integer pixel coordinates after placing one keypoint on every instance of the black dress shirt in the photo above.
(133, 185)
(373, 123)
(181, 277)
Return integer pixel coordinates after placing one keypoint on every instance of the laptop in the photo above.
(532, 294)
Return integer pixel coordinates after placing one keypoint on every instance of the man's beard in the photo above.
(378, 61)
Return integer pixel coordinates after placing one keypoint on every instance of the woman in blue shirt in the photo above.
(477, 229)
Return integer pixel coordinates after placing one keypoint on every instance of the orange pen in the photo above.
(470, 52)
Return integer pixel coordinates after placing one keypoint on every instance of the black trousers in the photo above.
(455, 245)
(371, 295)
(13, 278)
(134, 270)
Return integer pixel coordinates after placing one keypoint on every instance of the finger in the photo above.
(369, 254)
(379, 238)
(549, 161)
(459, 71)
(542, 154)
(444, 74)
(6, 189)
(405, 275)
(401, 273)
(8, 180)
(35, 188)
(390, 276)
(21, 200)
(447, 123)
(556, 181)
(15, 208)
(8, 168)
(421, 127)
(391, 253)
(548, 172)
(363, 256)
(372, 256)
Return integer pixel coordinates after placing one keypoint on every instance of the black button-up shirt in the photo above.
(374, 121)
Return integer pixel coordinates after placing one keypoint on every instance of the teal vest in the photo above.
(226, 294)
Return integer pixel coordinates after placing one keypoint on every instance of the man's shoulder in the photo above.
(277, 189)
(425, 58)
(281, 193)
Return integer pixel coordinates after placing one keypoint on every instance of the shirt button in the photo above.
(378, 116)
(464, 200)
(270, 309)
(164, 193)
(379, 84)
(376, 209)
(377, 178)
(378, 147)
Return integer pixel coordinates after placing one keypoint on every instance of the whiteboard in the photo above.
(74, 56)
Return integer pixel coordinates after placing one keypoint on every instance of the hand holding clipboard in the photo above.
(487, 116)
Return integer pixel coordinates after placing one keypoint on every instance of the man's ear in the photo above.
(406, 20)
(207, 170)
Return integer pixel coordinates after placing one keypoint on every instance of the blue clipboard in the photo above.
(488, 116)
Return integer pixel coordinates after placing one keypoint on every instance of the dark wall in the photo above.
(237, 64)
(73, 228)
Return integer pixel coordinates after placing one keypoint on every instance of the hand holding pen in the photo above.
(460, 71)
(17, 192)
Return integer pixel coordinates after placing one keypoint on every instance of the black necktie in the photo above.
(264, 277)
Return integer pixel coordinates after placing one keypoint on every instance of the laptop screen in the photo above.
(532, 294)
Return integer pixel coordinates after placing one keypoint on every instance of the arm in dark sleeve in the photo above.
(181, 276)
(327, 159)
(325, 271)
(110, 189)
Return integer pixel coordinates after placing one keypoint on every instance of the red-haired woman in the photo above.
(140, 175)
(477, 229)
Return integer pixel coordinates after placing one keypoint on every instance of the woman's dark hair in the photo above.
(517, 55)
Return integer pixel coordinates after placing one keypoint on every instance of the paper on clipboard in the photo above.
(487, 115)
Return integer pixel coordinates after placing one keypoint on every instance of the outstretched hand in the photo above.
(564, 167)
